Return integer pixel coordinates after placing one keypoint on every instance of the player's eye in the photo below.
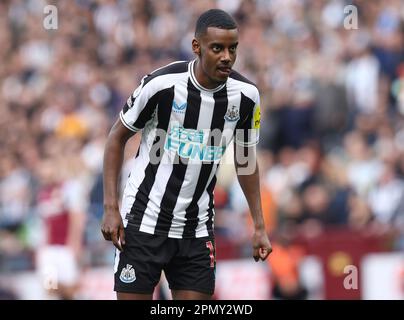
(216, 48)
(233, 49)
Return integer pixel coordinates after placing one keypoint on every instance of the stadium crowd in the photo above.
(332, 119)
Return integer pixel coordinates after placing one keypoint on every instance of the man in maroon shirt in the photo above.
(61, 205)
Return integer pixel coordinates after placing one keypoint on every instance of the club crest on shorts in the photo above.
(128, 274)
(232, 114)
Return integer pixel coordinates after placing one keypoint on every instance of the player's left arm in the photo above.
(245, 160)
(248, 176)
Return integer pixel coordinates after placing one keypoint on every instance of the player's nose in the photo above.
(225, 58)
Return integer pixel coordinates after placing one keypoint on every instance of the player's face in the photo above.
(217, 52)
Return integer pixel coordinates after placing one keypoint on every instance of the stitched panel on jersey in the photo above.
(180, 166)
(142, 196)
(217, 123)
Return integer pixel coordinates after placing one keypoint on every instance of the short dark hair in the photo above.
(214, 18)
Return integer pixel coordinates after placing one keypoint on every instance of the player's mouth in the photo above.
(224, 71)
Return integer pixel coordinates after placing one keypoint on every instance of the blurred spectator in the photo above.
(285, 265)
(386, 200)
(62, 206)
(15, 198)
(362, 75)
(364, 168)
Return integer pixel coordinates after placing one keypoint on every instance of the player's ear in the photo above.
(196, 47)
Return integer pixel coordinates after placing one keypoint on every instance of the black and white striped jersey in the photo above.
(185, 131)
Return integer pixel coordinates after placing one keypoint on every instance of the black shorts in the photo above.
(188, 264)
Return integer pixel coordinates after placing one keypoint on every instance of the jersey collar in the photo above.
(196, 83)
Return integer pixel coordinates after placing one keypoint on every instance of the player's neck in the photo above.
(202, 78)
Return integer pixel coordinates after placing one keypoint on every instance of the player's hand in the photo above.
(112, 228)
(261, 245)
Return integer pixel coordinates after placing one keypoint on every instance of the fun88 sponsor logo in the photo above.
(190, 144)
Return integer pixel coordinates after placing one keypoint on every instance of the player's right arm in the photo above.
(137, 111)
(112, 225)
